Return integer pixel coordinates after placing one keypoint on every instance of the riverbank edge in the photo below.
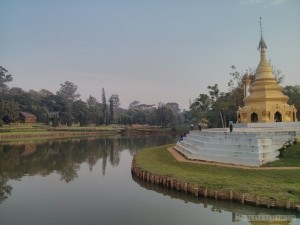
(190, 188)
(61, 133)
(32, 136)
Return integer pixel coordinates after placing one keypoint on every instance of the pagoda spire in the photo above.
(262, 45)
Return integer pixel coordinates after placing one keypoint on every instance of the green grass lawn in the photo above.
(24, 132)
(34, 127)
(291, 157)
(279, 184)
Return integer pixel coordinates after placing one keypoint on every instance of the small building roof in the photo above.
(27, 115)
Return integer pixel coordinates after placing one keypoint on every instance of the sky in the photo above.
(149, 51)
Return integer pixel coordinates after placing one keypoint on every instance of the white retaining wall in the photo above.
(244, 146)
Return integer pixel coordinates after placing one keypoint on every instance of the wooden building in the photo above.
(26, 117)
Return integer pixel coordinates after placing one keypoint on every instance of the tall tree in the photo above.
(68, 91)
(5, 77)
(95, 111)
(65, 97)
(114, 103)
(104, 106)
(111, 110)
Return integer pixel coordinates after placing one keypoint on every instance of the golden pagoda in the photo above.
(264, 100)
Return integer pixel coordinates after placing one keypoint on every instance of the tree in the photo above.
(187, 117)
(5, 77)
(111, 111)
(200, 108)
(104, 106)
(68, 91)
(140, 113)
(91, 102)
(9, 111)
(44, 93)
(27, 101)
(80, 112)
(294, 97)
(165, 115)
(279, 76)
(221, 107)
(178, 118)
(211, 107)
(42, 114)
(236, 89)
(114, 103)
(95, 111)
(135, 113)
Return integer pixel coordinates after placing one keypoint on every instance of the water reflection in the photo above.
(238, 211)
(64, 157)
(88, 181)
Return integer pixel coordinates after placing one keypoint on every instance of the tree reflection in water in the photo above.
(65, 156)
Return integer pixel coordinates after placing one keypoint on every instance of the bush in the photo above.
(1, 123)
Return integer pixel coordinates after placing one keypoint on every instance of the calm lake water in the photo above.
(88, 181)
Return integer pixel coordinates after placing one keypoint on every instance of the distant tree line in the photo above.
(66, 108)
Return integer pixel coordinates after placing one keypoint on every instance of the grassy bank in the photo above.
(281, 185)
(25, 132)
(290, 157)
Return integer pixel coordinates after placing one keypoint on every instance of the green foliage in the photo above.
(79, 109)
(294, 97)
(1, 122)
(5, 77)
(114, 104)
(68, 91)
(83, 120)
(99, 120)
(55, 121)
(9, 111)
(104, 106)
(213, 107)
(42, 114)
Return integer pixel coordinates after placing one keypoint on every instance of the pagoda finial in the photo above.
(260, 25)
(262, 45)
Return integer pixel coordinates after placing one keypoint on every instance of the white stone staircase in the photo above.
(243, 146)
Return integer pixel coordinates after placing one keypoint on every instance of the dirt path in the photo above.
(180, 158)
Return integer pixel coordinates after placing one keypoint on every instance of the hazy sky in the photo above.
(145, 50)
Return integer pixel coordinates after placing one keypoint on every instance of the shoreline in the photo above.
(45, 135)
(182, 185)
(40, 132)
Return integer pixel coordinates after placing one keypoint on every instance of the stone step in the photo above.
(220, 158)
(215, 150)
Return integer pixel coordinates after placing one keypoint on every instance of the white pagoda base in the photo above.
(248, 144)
